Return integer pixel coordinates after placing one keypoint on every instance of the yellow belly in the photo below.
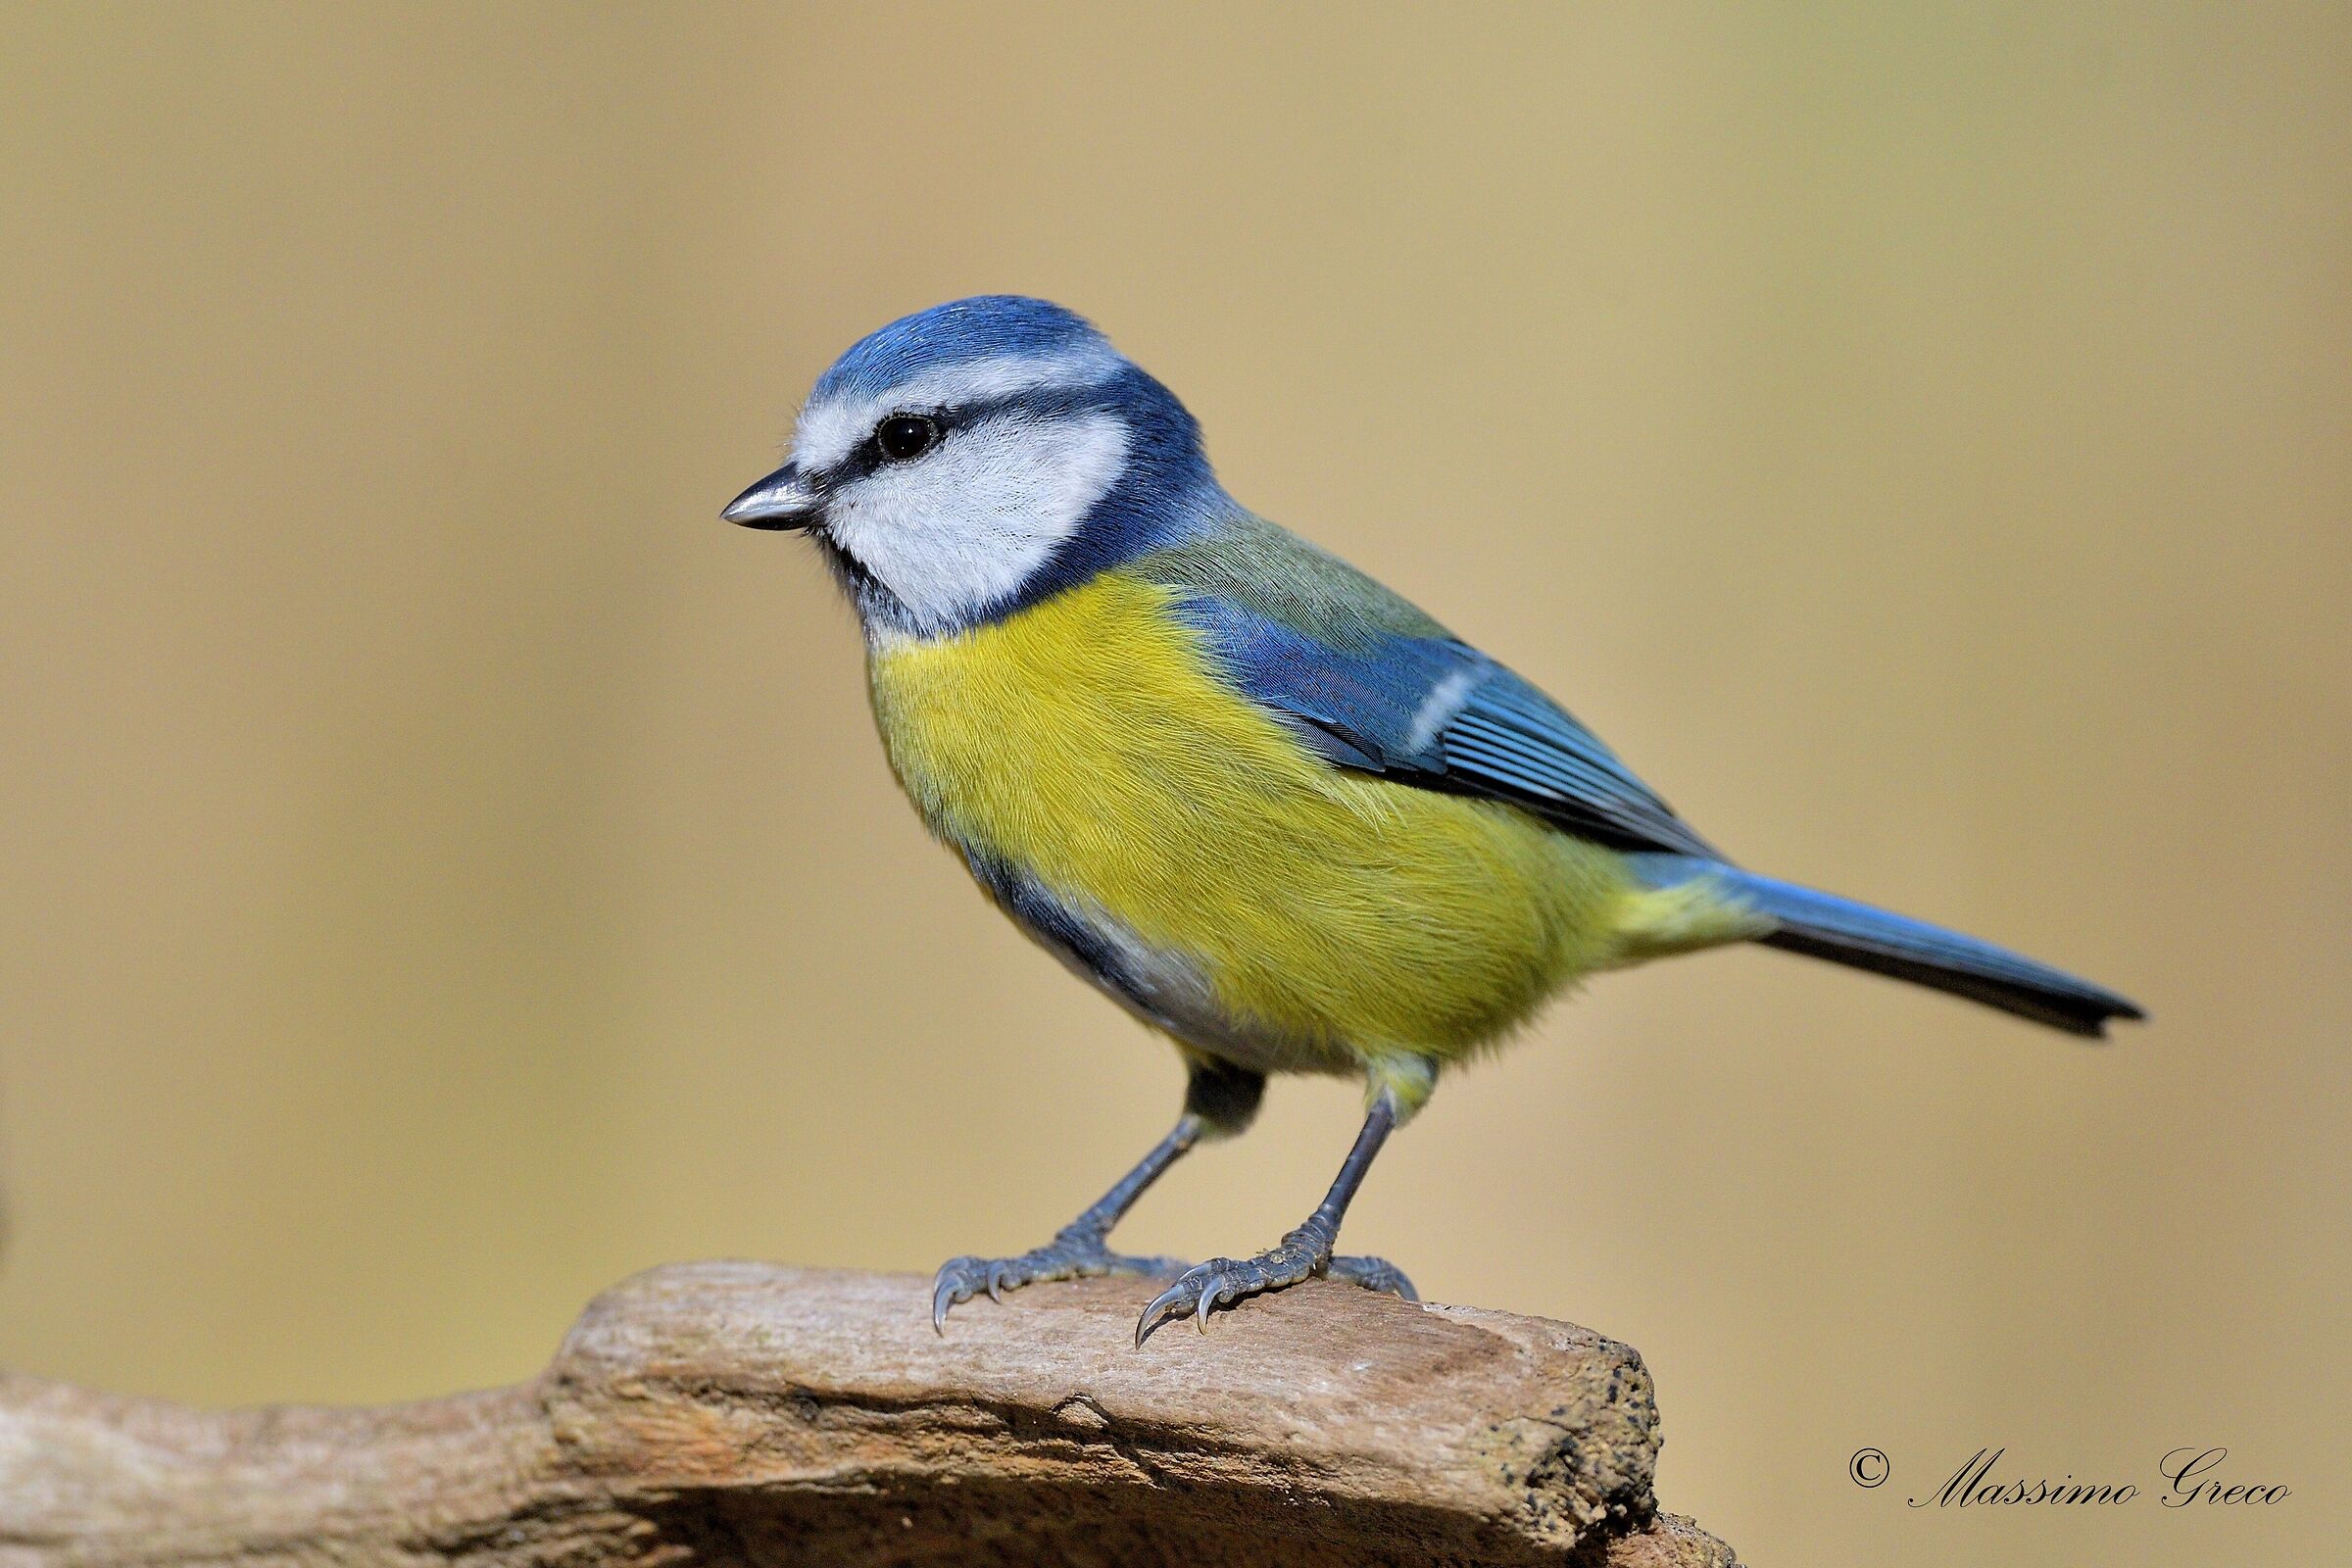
(1086, 742)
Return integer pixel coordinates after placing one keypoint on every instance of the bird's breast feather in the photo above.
(1096, 742)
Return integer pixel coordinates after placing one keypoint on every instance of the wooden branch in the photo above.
(722, 1415)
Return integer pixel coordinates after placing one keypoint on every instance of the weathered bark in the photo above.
(728, 1414)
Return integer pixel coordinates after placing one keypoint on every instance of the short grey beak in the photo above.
(782, 500)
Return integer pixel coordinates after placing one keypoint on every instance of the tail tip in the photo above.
(2110, 1008)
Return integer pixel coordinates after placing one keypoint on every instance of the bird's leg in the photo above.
(1219, 1101)
(1078, 1249)
(1300, 1256)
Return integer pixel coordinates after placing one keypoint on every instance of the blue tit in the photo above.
(1266, 805)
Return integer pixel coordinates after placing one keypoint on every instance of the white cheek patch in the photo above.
(828, 431)
(966, 524)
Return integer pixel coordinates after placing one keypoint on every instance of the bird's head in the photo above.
(972, 457)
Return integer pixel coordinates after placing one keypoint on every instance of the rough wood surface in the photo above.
(726, 1414)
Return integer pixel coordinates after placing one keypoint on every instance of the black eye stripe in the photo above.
(1045, 402)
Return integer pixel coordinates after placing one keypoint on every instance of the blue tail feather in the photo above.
(1822, 925)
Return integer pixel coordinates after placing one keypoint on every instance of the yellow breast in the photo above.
(1088, 742)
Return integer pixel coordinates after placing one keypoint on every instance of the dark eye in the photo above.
(903, 437)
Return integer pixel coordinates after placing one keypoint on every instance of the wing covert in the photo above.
(1434, 713)
(1518, 745)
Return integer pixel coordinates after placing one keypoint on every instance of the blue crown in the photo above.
(981, 327)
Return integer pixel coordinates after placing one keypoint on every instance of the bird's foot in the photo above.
(1075, 1253)
(1300, 1255)
(1373, 1274)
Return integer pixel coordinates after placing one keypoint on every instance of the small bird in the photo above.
(1268, 806)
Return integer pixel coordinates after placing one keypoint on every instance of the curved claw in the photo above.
(1200, 1291)
(1168, 1303)
(1223, 1282)
(948, 1287)
(1067, 1256)
(1209, 1300)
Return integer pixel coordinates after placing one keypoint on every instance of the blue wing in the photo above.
(1374, 686)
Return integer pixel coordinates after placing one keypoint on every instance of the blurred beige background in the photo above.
(443, 870)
